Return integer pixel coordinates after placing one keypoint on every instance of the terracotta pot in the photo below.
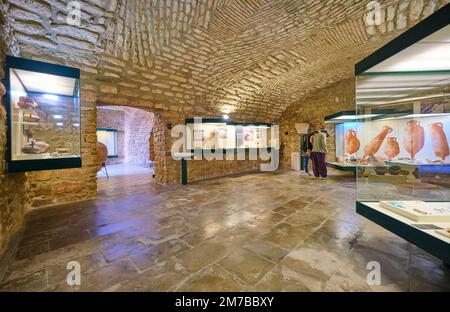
(102, 154)
(414, 139)
(392, 148)
(374, 146)
(439, 140)
(351, 142)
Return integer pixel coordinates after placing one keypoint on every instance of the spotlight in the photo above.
(226, 117)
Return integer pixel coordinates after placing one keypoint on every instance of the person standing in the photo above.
(318, 154)
(306, 150)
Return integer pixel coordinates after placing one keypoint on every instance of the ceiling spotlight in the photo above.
(226, 117)
(60, 124)
(57, 116)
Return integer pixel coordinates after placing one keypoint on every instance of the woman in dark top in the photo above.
(306, 149)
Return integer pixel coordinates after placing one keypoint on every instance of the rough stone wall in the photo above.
(246, 58)
(14, 200)
(70, 185)
(167, 170)
(113, 119)
(138, 127)
(335, 98)
(201, 170)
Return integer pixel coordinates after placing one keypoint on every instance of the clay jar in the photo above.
(102, 154)
(414, 139)
(352, 143)
(439, 140)
(374, 146)
(392, 148)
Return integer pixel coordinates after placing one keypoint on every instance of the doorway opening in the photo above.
(125, 132)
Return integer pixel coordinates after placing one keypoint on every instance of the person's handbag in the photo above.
(308, 153)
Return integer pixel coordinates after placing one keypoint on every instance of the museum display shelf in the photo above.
(215, 134)
(43, 115)
(408, 189)
(429, 239)
(210, 137)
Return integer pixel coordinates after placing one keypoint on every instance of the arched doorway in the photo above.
(126, 132)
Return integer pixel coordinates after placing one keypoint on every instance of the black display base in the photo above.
(43, 164)
(419, 238)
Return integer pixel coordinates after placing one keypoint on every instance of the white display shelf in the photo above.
(419, 211)
(376, 206)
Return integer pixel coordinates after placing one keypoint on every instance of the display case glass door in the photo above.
(43, 109)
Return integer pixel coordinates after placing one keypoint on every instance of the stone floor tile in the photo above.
(267, 250)
(203, 254)
(247, 266)
(157, 253)
(286, 235)
(264, 232)
(212, 278)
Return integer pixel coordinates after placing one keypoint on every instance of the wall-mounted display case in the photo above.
(219, 134)
(406, 189)
(43, 115)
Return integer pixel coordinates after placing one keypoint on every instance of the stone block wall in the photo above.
(202, 170)
(70, 185)
(113, 119)
(14, 199)
(335, 98)
(167, 170)
(138, 127)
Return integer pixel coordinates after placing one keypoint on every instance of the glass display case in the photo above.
(218, 134)
(403, 132)
(346, 141)
(43, 109)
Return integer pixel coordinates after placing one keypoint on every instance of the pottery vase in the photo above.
(374, 146)
(352, 143)
(414, 139)
(392, 148)
(439, 140)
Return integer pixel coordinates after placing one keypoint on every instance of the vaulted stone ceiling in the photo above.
(249, 58)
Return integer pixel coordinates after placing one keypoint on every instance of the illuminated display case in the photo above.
(219, 134)
(346, 143)
(403, 132)
(43, 109)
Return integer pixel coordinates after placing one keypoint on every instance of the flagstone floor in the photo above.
(260, 232)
